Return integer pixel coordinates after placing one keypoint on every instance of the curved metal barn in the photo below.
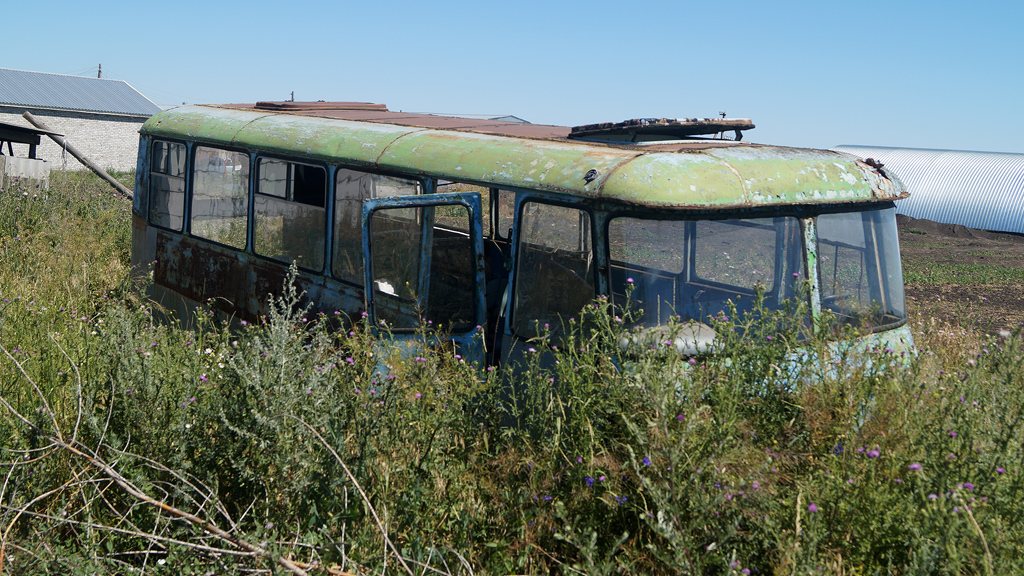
(982, 190)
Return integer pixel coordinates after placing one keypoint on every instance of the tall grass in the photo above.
(134, 445)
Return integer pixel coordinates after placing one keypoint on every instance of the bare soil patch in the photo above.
(960, 299)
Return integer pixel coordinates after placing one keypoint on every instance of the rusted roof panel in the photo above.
(484, 126)
(292, 106)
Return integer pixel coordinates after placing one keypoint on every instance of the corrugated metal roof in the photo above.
(77, 93)
(982, 190)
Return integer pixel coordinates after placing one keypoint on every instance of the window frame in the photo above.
(289, 198)
(185, 184)
(516, 240)
(249, 215)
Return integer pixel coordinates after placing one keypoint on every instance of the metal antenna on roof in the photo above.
(99, 73)
(722, 114)
(293, 96)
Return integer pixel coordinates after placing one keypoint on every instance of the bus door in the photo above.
(424, 271)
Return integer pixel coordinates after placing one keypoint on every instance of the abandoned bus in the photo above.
(489, 231)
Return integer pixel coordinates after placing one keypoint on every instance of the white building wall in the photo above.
(110, 142)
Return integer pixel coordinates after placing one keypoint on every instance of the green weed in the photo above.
(292, 446)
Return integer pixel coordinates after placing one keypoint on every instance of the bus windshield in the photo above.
(859, 269)
(693, 269)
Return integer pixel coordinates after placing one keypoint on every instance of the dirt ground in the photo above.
(959, 301)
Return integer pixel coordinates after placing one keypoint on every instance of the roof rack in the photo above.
(654, 129)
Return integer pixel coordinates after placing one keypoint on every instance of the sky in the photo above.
(939, 74)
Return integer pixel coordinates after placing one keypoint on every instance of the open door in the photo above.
(425, 269)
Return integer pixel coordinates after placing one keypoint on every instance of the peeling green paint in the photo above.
(748, 175)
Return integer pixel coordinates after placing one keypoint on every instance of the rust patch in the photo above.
(200, 271)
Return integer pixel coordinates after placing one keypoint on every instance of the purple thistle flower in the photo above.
(969, 486)
(1001, 470)
(812, 508)
(915, 466)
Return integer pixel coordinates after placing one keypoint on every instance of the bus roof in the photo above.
(695, 174)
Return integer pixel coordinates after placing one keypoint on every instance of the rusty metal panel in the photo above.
(369, 114)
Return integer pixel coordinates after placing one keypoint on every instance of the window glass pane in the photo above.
(413, 275)
(859, 268)
(452, 271)
(351, 188)
(167, 185)
(555, 274)
(451, 218)
(273, 180)
(736, 252)
(220, 196)
(506, 212)
(692, 269)
(290, 215)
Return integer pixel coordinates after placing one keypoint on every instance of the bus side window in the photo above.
(447, 218)
(167, 185)
(555, 271)
(351, 187)
(506, 212)
(220, 196)
(290, 212)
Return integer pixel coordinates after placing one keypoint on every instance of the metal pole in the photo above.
(81, 157)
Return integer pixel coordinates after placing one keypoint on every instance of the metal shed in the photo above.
(983, 190)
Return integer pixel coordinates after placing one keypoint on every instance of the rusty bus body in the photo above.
(491, 232)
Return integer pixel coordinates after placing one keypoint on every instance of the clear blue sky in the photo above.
(922, 74)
